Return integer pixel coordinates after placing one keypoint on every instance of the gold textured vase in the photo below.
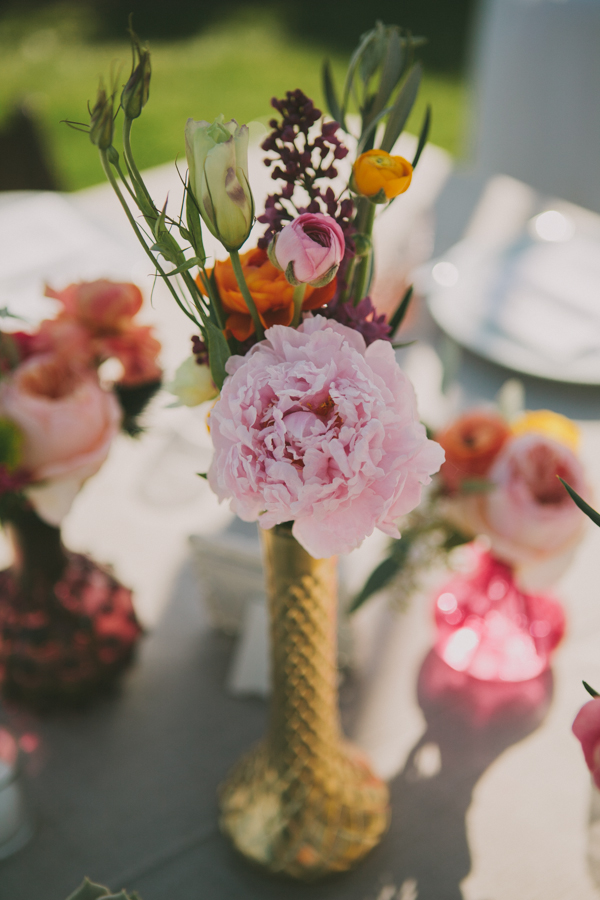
(303, 801)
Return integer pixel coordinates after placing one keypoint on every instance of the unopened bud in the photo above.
(137, 90)
(102, 120)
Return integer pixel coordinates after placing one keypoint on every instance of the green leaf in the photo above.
(354, 60)
(368, 131)
(423, 136)
(590, 689)
(403, 344)
(373, 53)
(161, 248)
(159, 225)
(330, 94)
(89, 891)
(398, 317)
(391, 71)
(194, 225)
(188, 264)
(583, 506)
(133, 400)
(218, 353)
(377, 580)
(476, 486)
(202, 475)
(402, 107)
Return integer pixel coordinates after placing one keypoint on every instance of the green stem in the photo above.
(365, 226)
(135, 173)
(140, 237)
(299, 292)
(239, 275)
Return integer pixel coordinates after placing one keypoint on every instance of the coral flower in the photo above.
(381, 177)
(471, 443)
(271, 292)
(104, 307)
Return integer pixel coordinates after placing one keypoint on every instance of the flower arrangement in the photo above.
(66, 624)
(499, 480)
(315, 428)
(315, 424)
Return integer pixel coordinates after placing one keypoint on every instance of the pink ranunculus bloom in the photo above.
(309, 249)
(586, 729)
(67, 338)
(530, 519)
(314, 426)
(105, 307)
(68, 422)
(138, 350)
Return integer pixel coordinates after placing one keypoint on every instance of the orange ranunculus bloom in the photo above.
(271, 292)
(376, 171)
(471, 443)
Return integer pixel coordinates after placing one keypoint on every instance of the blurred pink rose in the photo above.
(68, 422)
(586, 729)
(309, 249)
(105, 307)
(314, 426)
(528, 516)
(138, 351)
(65, 337)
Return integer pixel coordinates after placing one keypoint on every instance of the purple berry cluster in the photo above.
(362, 318)
(301, 162)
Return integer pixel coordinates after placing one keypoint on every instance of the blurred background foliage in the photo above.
(208, 57)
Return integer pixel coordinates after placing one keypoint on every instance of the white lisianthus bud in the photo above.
(217, 157)
(193, 383)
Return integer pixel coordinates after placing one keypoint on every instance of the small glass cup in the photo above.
(15, 825)
(490, 629)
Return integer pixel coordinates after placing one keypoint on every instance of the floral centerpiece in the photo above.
(315, 429)
(499, 483)
(66, 625)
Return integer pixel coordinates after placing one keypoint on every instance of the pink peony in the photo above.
(314, 426)
(528, 516)
(586, 729)
(105, 307)
(309, 249)
(68, 422)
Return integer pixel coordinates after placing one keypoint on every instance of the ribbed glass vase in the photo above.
(304, 801)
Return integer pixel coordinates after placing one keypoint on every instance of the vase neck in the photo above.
(302, 595)
(40, 556)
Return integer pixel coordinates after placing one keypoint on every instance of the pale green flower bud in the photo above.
(137, 90)
(102, 120)
(217, 157)
(193, 383)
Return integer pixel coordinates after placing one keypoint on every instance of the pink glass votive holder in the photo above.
(492, 630)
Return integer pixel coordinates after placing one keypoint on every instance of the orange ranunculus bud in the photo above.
(271, 292)
(381, 177)
(471, 444)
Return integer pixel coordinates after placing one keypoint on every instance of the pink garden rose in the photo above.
(314, 426)
(528, 516)
(105, 307)
(68, 422)
(309, 249)
(586, 729)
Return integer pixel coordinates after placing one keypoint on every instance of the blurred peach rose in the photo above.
(68, 423)
(471, 443)
(528, 516)
(104, 307)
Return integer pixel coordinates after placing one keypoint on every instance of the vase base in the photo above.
(304, 823)
(64, 651)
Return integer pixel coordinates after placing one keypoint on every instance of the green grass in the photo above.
(235, 69)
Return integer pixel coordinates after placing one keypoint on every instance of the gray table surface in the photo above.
(490, 796)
